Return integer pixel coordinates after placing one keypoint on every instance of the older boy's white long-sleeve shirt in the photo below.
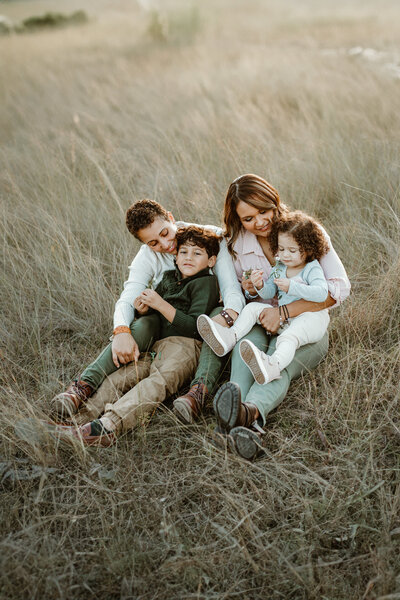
(148, 267)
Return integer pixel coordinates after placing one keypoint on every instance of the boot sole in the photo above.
(247, 443)
(227, 405)
(210, 337)
(251, 358)
(183, 411)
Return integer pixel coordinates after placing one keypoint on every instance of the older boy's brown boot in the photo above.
(66, 404)
(188, 407)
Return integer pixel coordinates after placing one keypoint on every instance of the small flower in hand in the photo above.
(282, 284)
(246, 274)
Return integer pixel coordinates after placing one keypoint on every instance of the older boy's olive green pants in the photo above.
(146, 331)
(132, 393)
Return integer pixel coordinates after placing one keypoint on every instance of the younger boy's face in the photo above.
(192, 259)
(159, 236)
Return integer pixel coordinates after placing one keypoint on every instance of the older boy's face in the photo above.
(192, 259)
(159, 236)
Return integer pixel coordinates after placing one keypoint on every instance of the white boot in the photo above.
(220, 339)
(260, 364)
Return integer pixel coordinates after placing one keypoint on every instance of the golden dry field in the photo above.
(173, 100)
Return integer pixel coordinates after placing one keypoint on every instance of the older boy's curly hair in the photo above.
(198, 236)
(305, 230)
(142, 214)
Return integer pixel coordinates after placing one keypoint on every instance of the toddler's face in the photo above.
(192, 259)
(289, 251)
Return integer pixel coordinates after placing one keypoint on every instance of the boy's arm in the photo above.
(316, 287)
(153, 299)
(141, 273)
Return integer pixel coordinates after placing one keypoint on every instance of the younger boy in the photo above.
(171, 310)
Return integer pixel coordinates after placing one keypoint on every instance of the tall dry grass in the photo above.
(96, 117)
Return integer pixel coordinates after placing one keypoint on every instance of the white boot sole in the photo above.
(250, 355)
(210, 335)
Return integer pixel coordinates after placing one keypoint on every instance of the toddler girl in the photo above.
(299, 243)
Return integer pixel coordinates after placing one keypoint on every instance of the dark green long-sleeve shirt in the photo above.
(191, 297)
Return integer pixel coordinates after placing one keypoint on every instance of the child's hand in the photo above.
(140, 306)
(150, 298)
(283, 284)
(249, 287)
(257, 279)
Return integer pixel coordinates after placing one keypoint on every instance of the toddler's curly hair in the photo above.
(305, 230)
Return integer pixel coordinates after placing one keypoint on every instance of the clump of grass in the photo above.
(51, 20)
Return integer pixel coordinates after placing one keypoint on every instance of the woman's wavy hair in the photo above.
(305, 230)
(253, 190)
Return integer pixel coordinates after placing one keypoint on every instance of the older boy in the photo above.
(149, 222)
(172, 310)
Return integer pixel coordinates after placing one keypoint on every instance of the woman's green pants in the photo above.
(269, 396)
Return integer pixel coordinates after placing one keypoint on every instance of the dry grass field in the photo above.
(173, 103)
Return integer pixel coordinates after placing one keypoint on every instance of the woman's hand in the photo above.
(140, 306)
(221, 321)
(248, 286)
(151, 298)
(283, 284)
(124, 349)
(269, 319)
(256, 278)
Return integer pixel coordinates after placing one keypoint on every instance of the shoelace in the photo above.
(80, 390)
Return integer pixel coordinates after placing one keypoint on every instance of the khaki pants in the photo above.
(149, 383)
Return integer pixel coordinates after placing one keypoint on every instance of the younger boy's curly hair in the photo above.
(198, 236)
(305, 230)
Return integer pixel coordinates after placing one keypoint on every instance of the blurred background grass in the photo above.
(172, 101)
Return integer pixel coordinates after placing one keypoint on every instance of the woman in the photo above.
(251, 206)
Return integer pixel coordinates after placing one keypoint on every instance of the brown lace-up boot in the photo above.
(188, 407)
(66, 404)
(230, 410)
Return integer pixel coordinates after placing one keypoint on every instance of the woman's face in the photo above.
(255, 220)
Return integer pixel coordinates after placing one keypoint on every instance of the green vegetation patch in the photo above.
(49, 20)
